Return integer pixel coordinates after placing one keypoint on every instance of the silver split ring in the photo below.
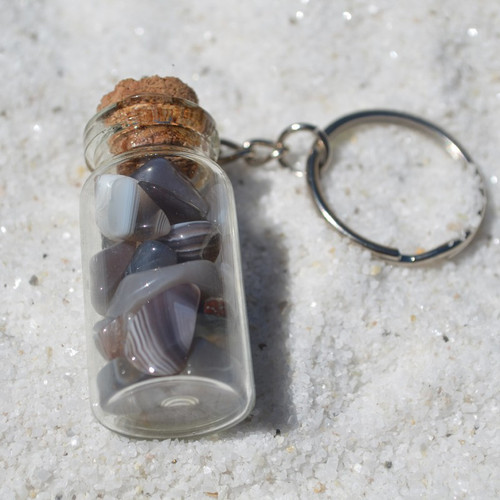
(316, 163)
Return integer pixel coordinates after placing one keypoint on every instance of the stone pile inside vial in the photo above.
(154, 282)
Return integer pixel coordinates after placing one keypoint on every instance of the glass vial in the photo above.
(168, 345)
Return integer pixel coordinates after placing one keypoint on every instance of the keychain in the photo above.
(168, 344)
(320, 158)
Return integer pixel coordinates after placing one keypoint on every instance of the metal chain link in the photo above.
(257, 152)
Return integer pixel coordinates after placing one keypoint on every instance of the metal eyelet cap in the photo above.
(316, 163)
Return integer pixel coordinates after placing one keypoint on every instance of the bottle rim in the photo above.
(148, 112)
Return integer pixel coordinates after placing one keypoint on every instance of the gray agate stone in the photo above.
(107, 268)
(151, 254)
(171, 191)
(194, 240)
(208, 360)
(151, 221)
(160, 333)
(116, 205)
(110, 337)
(124, 211)
(137, 288)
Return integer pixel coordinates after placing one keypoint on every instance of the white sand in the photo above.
(383, 380)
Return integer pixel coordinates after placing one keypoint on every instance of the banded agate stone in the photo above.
(124, 211)
(151, 254)
(117, 204)
(110, 337)
(107, 268)
(160, 333)
(194, 240)
(171, 191)
(209, 360)
(137, 288)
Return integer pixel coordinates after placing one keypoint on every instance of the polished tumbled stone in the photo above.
(151, 222)
(110, 337)
(116, 205)
(215, 306)
(209, 360)
(137, 288)
(125, 211)
(107, 268)
(160, 333)
(194, 240)
(171, 191)
(151, 254)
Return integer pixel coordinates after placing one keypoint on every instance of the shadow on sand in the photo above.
(265, 274)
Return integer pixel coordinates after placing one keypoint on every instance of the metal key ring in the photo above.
(452, 147)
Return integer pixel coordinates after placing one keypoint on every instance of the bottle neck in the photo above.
(148, 122)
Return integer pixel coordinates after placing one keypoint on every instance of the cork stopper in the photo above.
(168, 86)
(156, 112)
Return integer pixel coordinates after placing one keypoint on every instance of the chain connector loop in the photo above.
(258, 152)
(255, 152)
(262, 151)
(238, 152)
(321, 143)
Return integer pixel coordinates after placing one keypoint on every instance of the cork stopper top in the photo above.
(149, 115)
(167, 86)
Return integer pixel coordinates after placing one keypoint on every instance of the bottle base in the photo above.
(173, 407)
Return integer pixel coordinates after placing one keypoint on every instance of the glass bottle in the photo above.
(168, 345)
